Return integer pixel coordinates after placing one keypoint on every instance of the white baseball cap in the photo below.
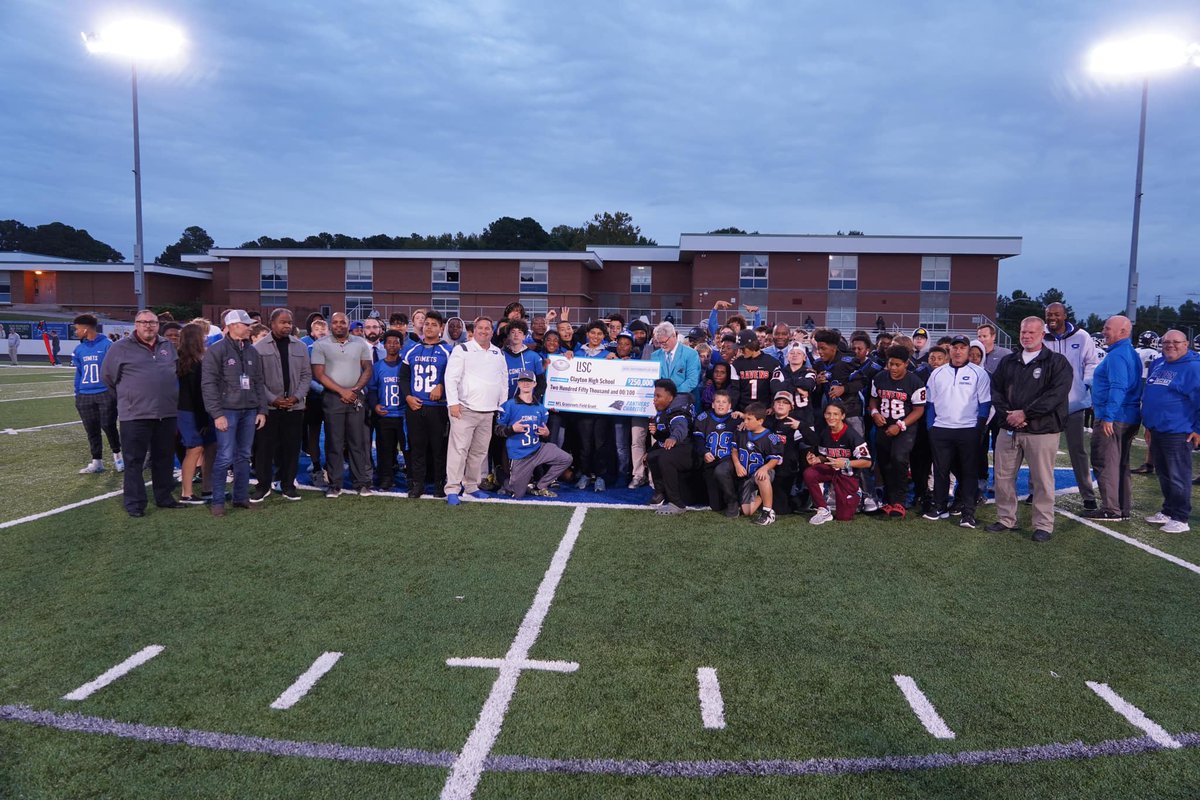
(238, 315)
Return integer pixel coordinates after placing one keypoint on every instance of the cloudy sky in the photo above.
(387, 116)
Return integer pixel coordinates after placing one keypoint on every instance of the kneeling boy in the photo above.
(523, 422)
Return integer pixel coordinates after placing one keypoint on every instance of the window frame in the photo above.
(359, 283)
(359, 306)
(935, 273)
(843, 273)
(531, 284)
(750, 265)
(641, 279)
(271, 281)
(443, 265)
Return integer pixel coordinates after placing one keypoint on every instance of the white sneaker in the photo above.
(1158, 519)
(870, 504)
(93, 466)
(822, 516)
(118, 462)
(1175, 526)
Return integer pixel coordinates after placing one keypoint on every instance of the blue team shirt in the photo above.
(526, 359)
(428, 365)
(384, 387)
(87, 359)
(523, 445)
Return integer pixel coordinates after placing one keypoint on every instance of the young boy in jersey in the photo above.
(671, 453)
(383, 394)
(715, 430)
(839, 452)
(95, 402)
(522, 422)
(422, 379)
(752, 371)
(756, 453)
(897, 405)
(921, 458)
(787, 426)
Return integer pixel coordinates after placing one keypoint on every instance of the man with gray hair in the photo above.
(476, 388)
(1029, 395)
(1117, 399)
(679, 363)
(14, 345)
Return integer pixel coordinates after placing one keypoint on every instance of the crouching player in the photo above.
(671, 437)
(840, 451)
(756, 454)
(523, 422)
(714, 431)
(897, 405)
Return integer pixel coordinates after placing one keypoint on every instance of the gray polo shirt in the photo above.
(341, 359)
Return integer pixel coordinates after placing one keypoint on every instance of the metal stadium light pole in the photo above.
(1138, 58)
(137, 41)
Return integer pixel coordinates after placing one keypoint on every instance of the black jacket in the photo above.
(1039, 388)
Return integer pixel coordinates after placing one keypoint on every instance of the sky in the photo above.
(388, 116)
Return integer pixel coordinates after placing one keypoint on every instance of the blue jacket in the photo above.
(87, 359)
(1171, 403)
(1117, 385)
(685, 368)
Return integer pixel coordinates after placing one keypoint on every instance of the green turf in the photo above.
(805, 625)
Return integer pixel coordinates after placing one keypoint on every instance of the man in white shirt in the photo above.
(476, 387)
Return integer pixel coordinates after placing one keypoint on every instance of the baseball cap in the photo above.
(238, 315)
(745, 338)
(625, 335)
(960, 339)
(697, 333)
(921, 332)
(785, 396)
(526, 375)
(356, 324)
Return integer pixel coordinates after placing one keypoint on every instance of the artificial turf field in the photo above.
(806, 628)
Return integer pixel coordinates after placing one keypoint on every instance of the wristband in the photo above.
(900, 424)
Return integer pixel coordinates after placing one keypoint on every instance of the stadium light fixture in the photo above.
(137, 40)
(1140, 57)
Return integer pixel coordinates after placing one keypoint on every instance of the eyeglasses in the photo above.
(1166, 342)
(146, 322)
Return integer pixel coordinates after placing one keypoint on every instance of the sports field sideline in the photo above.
(538, 650)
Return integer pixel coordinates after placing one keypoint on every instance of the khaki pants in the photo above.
(1038, 451)
(470, 435)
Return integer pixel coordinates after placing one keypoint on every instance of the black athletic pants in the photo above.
(955, 450)
(666, 466)
(428, 429)
(389, 433)
(277, 445)
(893, 454)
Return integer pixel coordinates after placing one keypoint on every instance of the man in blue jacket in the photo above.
(1116, 400)
(1171, 411)
(680, 363)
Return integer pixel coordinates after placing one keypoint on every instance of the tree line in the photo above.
(1011, 309)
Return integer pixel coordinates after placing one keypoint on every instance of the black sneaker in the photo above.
(956, 511)
(967, 521)
(191, 500)
(765, 517)
(290, 494)
(1090, 504)
(657, 500)
(260, 494)
(1144, 469)
(733, 511)
(932, 512)
(998, 527)
(1041, 535)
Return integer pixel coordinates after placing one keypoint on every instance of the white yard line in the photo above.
(297, 690)
(924, 709)
(712, 707)
(37, 397)
(15, 431)
(124, 668)
(1134, 715)
(468, 767)
(499, 663)
(60, 509)
(1154, 551)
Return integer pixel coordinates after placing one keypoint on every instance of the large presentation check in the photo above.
(601, 386)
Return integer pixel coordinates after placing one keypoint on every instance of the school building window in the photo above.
(358, 307)
(445, 276)
(935, 273)
(360, 275)
(843, 272)
(639, 280)
(753, 271)
(273, 275)
(535, 278)
(446, 306)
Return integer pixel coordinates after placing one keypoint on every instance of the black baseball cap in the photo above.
(960, 339)
(526, 375)
(921, 332)
(697, 333)
(747, 339)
